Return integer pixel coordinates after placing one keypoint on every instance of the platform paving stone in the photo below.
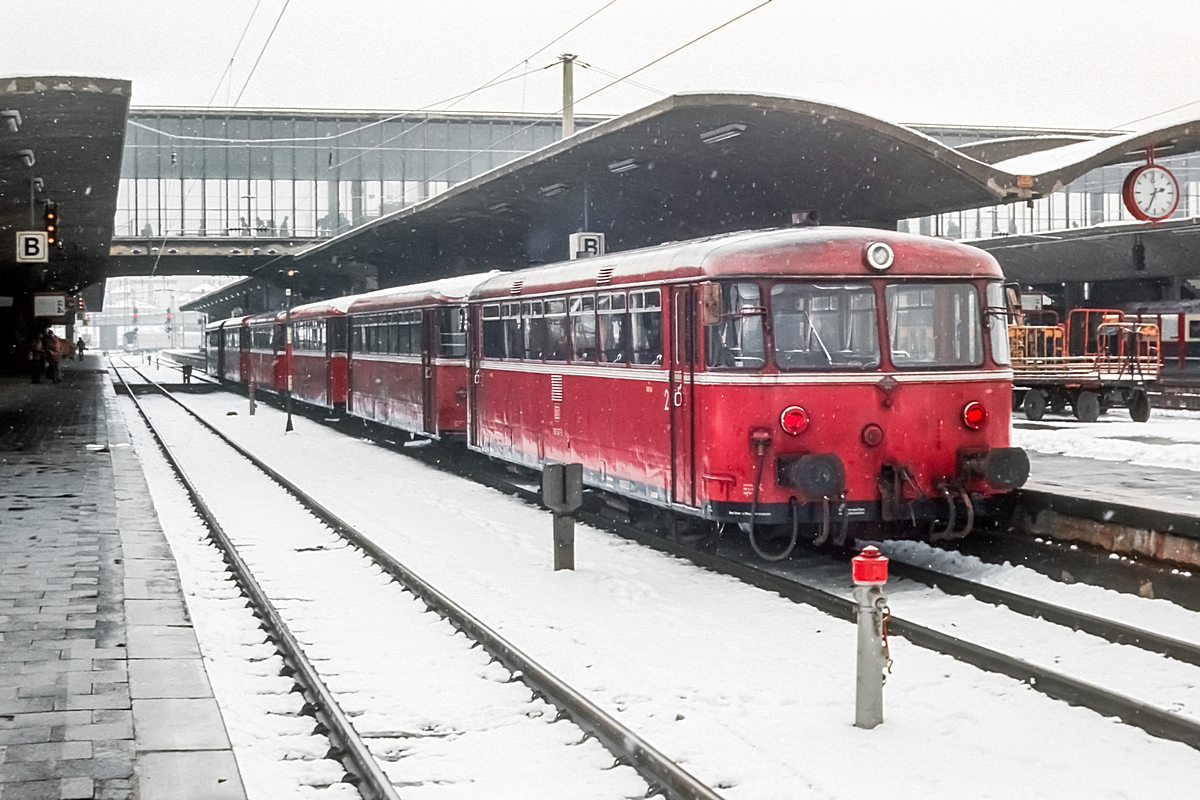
(87, 587)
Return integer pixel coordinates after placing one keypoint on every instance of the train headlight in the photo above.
(794, 420)
(974, 415)
(879, 256)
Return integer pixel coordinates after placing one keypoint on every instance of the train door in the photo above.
(681, 398)
(474, 354)
(429, 339)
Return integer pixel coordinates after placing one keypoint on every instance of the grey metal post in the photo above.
(564, 542)
(568, 112)
(252, 403)
(562, 493)
(872, 660)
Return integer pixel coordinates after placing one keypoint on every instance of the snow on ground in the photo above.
(1168, 439)
(448, 723)
(277, 755)
(750, 692)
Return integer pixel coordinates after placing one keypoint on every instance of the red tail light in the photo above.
(974, 415)
(793, 420)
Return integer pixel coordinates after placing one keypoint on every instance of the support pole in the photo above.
(868, 686)
(568, 112)
(287, 326)
(869, 571)
(564, 542)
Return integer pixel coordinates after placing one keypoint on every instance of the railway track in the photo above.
(797, 584)
(660, 774)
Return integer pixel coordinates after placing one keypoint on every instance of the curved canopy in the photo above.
(687, 166)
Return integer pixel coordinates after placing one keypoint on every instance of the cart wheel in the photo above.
(1018, 396)
(1034, 405)
(1139, 406)
(1087, 407)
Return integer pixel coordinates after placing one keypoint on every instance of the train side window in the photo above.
(1193, 326)
(612, 327)
(997, 320)
(337, 333)
(736, 342)
(514, 346)
(646, 327)
(493, 332)
(535, 330)
(452, 331)
(555, 311)
(583, 328)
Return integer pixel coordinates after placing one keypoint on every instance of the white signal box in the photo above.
(586, 245)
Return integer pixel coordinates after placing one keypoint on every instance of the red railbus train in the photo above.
(815, 379)
(408, 356)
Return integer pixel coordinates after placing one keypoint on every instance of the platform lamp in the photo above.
(287, 326)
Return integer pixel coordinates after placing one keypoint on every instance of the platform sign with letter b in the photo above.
(32, 247)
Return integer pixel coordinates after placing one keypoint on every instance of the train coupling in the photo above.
(815, 474)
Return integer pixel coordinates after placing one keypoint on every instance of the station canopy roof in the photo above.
(687, 166)
(68, 132)
(698, 164)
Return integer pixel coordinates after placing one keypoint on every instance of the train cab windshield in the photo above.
(818, 326)
(824, 326)
(934, 325)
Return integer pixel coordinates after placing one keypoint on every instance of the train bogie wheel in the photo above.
(1139, 406)
(1087, 407)
(1034, 405)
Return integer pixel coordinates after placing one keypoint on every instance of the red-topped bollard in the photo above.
(869, 570)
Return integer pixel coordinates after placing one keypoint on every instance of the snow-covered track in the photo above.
(370, 780)
(1111, 630)
(1150, 718)
(661, 773)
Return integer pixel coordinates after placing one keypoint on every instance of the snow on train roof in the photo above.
(818, 252)
(453, 289)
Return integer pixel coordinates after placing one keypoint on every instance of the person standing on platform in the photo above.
(80, 346)
(37, 359)
(53, 347)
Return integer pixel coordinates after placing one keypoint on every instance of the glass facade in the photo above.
(1091, 199)
(203, 173)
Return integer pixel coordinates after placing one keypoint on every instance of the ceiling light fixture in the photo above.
(624, 165)
(553, 189)
(722, 133)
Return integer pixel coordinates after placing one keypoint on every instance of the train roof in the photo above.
(333, 307)
(446, 290)
(829, 253)
(221, 323)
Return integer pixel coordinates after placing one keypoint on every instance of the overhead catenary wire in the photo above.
(606, 86)
(270, 35)
(229, 66)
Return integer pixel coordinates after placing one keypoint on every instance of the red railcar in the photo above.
(803, 377)
(228, 354)
(408, 356)
(265, 363)
(319, 368)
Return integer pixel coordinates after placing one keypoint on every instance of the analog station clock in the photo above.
(1151, 192)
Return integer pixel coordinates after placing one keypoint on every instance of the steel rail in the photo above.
(1131, 711)
(659, 771)
(348, 746)
(1153, 720)
(1111, 630)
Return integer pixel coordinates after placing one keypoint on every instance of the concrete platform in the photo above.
(102, 690)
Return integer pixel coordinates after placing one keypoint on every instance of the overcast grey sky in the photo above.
(1094, 64)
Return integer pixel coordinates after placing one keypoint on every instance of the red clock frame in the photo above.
(1127, 194)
